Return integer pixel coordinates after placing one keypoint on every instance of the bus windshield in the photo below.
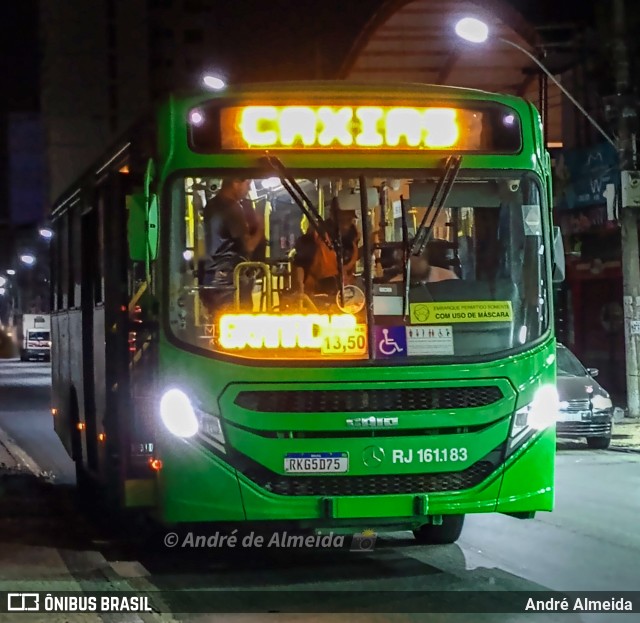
(259, 270)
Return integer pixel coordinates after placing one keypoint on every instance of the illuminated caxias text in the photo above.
(338, 127)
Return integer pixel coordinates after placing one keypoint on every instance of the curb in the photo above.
(22, 459)
(623, 449)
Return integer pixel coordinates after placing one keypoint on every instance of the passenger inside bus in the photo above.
(228, 226)
(233, 234)
(315, 266)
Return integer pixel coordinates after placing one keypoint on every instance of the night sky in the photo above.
(287, 33)
(19, 55)
(260, 40)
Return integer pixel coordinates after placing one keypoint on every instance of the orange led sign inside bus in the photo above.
(348, 127)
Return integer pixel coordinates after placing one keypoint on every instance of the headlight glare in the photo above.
(600, 403)
(177, 414)
(544, 407)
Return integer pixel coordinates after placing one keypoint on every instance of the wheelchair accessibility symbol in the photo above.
(391, 341)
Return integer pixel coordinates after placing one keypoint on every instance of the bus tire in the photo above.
(83, 483)
(447, 532)
(598, 443)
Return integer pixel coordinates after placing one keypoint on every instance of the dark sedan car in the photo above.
(586, 409)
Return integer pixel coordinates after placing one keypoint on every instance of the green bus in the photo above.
(199, 379)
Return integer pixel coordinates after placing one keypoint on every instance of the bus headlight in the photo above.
(177, 414)
(544, 408)
(538, 415)
(210, 426)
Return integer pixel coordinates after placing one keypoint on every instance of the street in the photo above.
(589, 543)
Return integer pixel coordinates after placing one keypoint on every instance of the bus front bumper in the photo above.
(195, 486)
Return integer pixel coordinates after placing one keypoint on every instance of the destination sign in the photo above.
(489, 128)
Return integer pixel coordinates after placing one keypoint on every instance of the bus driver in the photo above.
(423, 272)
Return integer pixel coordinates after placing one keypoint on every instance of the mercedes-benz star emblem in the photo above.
(372, 456)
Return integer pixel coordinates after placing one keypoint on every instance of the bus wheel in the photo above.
(85, 487)
(447, 532)
(598, 443)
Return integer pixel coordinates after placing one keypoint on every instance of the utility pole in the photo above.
(630, 183)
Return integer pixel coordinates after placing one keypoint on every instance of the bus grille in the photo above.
(375, 485)
(368, 400)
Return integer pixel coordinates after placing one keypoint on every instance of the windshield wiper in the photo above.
(424, 232)
(302, 201)
(332, 240)
(443, 188)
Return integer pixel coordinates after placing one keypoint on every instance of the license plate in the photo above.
(316, 462)
(573, 416)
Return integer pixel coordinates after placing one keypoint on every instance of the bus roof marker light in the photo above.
(215, 83)
(46, 233)
(28, 259)
(271, 183)
(472, 29)
(196, 118)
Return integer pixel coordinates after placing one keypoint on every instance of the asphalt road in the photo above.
(591, 542)
(25, 415)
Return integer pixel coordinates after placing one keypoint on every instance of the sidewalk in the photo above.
(626, 434)
(13, 459)
(8, 462)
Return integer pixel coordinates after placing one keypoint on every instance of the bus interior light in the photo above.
(522, 336)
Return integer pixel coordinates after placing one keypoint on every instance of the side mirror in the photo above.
(136, 227)
(152, 227)
(559, 267)
(152, 213)
(142, 225)
(593, 372)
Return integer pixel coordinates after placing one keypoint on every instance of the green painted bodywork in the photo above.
(197, 485)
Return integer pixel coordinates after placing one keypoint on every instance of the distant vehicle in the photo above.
(586, 409)
(34, 337)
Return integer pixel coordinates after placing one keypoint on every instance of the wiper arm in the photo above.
(443, 188)
(424, 232)
(406, 256)
(303, 202)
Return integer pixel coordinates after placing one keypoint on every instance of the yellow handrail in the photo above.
(267, 273)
